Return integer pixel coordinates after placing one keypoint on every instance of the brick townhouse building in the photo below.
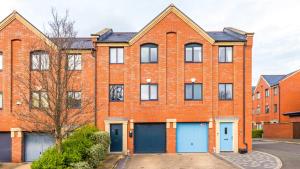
(171, 87)
(16, 57)
(276, 105)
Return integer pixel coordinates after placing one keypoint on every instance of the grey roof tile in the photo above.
(82, 43)
(273, 79)
(221, 36)
(117, 37)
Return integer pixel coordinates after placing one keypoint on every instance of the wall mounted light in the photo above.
(193, 80)
(148, 80)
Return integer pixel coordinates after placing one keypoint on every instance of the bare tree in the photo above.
(50, 87)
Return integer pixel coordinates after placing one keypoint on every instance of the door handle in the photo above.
(225, 138)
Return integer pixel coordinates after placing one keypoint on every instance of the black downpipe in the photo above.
(95, 85)
(242, 151)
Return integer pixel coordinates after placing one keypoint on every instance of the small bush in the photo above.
(50, 159)
(97, 154)
(81, 165)
(85, 148)
(257, 133)
(101, 137)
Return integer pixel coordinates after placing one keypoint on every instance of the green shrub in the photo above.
(97, 154)
(257, 133)
(81, 165)
(85, 148)
(50, 159)
(85, 131)
(101, 137)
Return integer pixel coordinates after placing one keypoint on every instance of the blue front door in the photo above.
(226, 137)
(116, 135)
(192, 137)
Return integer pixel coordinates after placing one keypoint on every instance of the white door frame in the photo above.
(124, 132)
(235, 141)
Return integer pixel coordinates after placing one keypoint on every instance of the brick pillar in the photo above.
(171, 135)
(16, 144)
(130, 139)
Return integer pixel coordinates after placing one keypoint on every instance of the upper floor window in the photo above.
(39, 99)
(258, 109)
(39, 60)
(149, 92)
(225, 91)
(267, 92)
(193, 53)
(267, 109)
(116, 92)
(149, 53)
(1, 60)
(275, 91)
(1, 100)
(116, 55)
(193, 91)
(275, 108)
(74, 62)
(74, 99)
(258, 95)
(225, 54)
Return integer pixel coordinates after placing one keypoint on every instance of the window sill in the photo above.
(192, 62)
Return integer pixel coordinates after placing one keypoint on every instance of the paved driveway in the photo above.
(175, 161)
(287, 152)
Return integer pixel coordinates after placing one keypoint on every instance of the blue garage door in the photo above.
(36, 144)
(192, 137)
(150, 138)
(5, 147)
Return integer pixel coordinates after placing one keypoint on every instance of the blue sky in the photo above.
(275, 22)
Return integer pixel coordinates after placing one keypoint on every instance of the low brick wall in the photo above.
(278, 130)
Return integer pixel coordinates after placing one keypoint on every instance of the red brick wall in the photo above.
(290, 95)
(263, 101)
(171, 72)
(16, 43)
(278, 130)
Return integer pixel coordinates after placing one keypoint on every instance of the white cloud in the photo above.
(275, 22)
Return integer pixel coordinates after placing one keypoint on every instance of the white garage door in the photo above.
(36, 144)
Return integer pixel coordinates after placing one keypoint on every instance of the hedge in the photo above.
(85, 148)
(257, 133)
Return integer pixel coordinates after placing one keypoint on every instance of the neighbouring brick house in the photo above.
(16, 38)
(171, 87)
(276, 105)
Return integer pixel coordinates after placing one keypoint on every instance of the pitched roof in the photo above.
(227, 35)
(82, 43)
(218, 36)
(79, 43)
(273, 79)
(117, 37)
(221, 36)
